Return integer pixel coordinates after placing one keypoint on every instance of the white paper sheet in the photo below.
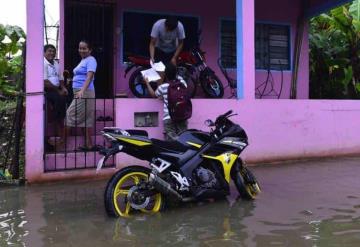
(158, 66)
(150, 74)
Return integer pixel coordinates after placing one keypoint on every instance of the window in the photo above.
(228, 43)
(137, 28)
(272, 46)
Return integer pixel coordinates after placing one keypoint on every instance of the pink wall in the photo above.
(277, 130)
(209, 13)
(273, 12)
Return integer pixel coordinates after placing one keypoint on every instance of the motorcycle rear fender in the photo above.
(125, 137)
(138, 141)
(207, 70)
(138, 147)
(108, 152)
(191, 68)
(140, 60)
(129, 67)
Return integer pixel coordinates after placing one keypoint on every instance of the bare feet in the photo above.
(59, 145)
(56, 142)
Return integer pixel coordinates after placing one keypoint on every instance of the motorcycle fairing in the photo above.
(178, 158)
(194, 144)
(227, 161)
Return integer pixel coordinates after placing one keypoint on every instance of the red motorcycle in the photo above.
(191, 67)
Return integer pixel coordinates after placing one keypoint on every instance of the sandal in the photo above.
(101, 118)
(83, 149)
(108, 118)
(56, 142)
(96, 148)
(104, 119)
(49, 148)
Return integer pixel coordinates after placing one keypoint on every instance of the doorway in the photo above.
(93, 22)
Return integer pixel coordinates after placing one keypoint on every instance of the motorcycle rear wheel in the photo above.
(118, 189)
(247, 189)
(136, 85)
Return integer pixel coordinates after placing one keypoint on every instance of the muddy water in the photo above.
(302, 204)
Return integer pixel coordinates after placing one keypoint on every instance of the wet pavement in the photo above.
(315, 203)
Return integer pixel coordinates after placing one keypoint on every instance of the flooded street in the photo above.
(315, 203)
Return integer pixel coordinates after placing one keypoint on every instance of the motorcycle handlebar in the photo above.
(228, 113)
(223, 116)
(217, 132)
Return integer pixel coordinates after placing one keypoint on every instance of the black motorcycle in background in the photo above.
(191, 66)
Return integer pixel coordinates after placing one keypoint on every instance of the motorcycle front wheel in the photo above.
(211, 85)
(137, 86)
(246, 184)
(123, 195)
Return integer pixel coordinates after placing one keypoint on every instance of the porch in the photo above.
(278, 129)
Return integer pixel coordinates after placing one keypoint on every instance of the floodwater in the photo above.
(313, 203)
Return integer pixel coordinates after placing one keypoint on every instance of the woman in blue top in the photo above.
(82, 109)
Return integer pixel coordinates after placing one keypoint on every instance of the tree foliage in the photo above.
(335, 53)
(12, 40)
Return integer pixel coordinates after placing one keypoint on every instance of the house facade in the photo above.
(272, 66)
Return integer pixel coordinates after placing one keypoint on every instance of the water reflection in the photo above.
(292, 211)
(210, 224)
(12, 218)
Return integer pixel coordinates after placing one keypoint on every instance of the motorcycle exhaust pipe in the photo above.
(164, 187)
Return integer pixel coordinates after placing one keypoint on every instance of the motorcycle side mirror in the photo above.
(209, 123)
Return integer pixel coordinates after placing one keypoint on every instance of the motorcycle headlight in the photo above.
(234, 142)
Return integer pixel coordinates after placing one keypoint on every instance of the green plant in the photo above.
(12, 40)
(334, 53)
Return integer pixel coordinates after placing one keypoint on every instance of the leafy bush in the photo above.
(12, 40)
(334, 53)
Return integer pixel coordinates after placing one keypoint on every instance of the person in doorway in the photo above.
(55, 92)
(167, 40)
(81, 112)
(172, 128)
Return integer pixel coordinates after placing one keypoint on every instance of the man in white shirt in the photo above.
(167, 40)
(55, 90)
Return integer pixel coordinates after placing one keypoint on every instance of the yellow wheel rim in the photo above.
(253, 189)
(121, 192)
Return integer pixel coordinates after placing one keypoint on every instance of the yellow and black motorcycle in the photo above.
(197, 166)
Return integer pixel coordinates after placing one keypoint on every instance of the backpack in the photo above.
(179, 103)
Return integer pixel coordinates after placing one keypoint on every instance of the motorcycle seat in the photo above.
(119, 131)
(169, 145)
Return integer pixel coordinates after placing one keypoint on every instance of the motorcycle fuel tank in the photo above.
(194, 139)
